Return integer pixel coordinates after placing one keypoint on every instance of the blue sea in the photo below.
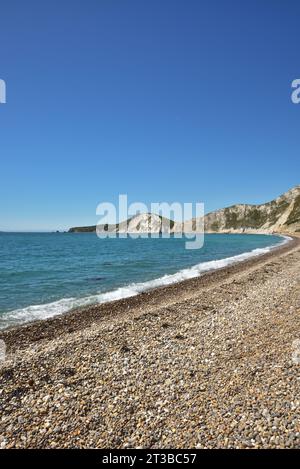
(45, 274)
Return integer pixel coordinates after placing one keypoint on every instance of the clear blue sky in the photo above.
(165, 100)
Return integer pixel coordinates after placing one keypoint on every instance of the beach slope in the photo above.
(211, 362)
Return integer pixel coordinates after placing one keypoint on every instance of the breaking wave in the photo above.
(45, 311)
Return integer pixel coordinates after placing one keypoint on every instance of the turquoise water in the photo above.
(42, 275)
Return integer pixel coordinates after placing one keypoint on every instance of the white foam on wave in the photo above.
(48, 310)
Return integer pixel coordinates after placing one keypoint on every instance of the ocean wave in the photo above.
(48, 310)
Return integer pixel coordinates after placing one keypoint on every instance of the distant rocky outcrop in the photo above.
(142, 223)
(279, 215)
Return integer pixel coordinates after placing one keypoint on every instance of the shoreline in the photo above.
(81, 317)
(133, 289)
(211, 362)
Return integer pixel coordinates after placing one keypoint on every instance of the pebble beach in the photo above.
(211, 362)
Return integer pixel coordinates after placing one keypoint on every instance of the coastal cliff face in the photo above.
(279, 215)
(147, 223)
(142, 223)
